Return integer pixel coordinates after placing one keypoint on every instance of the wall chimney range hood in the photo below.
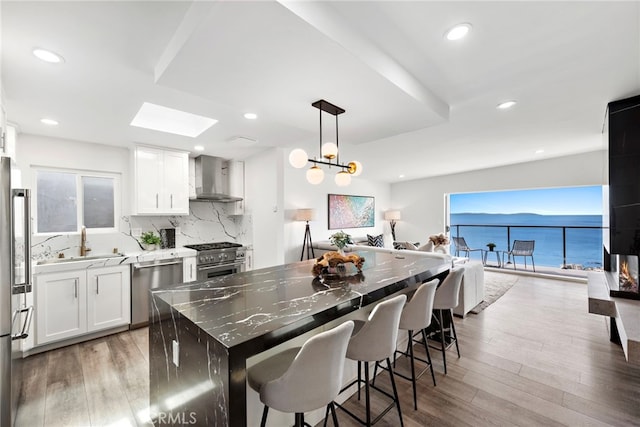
(212, 179)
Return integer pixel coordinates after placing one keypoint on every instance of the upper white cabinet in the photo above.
(236, 186)
(161, 182)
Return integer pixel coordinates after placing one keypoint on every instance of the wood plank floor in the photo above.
(534, 357)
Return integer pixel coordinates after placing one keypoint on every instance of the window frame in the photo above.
(79, 174)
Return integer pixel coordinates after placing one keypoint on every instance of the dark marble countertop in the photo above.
(287, 299)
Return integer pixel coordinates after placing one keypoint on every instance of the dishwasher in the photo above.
(151, 275)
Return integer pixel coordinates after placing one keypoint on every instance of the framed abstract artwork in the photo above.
(351, 211)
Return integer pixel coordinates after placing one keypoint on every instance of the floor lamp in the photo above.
(392, 217)
(306, 215)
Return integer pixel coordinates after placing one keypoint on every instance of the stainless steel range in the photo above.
(218, 259)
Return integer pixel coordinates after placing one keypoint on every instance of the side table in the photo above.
(485, 254)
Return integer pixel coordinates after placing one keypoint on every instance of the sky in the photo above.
(551, 201)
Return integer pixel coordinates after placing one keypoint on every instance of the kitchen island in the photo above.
(201, 334)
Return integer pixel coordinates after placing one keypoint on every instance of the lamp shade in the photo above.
(305, 215)
(392, 215)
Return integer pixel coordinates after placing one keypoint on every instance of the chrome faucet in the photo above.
(83, 242)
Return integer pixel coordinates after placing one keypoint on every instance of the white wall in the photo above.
(422, 202)
(300, 194)
(264, 203)
(274, 191)
(207, 221)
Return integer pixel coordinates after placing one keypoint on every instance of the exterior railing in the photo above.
(591, 241)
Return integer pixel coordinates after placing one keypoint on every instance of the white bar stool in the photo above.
(303, 379)
(446, 300)
(373, 341)
(415, 318)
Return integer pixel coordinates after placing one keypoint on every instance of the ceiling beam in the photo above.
(197, 13)
(321, 16)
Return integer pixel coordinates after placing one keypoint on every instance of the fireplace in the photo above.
(623, 278)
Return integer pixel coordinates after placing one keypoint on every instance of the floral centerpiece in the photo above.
(340, 239)
(440, 242)
(491, 246)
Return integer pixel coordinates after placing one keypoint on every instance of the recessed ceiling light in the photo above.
(198, 148)
(49, 122)
(250, 116)
(47, 56)
(458, 32)
(164, 119)
(400, 176)
(506, 105)
(539, 151)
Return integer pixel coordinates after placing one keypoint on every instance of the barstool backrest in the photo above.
(416, 314)
(376, 340)
(447, 293)
(315, 375)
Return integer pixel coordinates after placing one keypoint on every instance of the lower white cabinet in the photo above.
(108, 297)
(189, 273)
(61, 308)
(73, 303)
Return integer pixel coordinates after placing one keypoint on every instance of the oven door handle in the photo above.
(219, 266)
(140, 267)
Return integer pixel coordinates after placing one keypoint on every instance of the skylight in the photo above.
(164, 119)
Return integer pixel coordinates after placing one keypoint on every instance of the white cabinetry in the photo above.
(161, 182)
(108, 297)
(189, 273)
(61, 308)
(248, 259)
(236, 186)
(73, 303)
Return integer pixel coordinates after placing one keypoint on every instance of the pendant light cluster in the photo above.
(328, 151)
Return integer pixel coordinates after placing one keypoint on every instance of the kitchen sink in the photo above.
(78, 258)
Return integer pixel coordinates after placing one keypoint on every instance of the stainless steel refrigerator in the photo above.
(15, 317)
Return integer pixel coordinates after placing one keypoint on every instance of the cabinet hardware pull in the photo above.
(75, 292)
(157, 202)
(97, 286)
(171, 197)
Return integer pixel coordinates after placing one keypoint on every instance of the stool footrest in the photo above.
(369, 384)
(401, 375)
(376, 419)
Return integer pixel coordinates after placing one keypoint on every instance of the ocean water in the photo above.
(583, 246)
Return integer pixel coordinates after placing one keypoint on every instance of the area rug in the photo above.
(495, 285)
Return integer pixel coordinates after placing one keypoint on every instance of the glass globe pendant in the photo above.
(315, 175)
(298, 158)
(343, 179)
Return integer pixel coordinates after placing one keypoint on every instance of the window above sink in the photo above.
(68, 199)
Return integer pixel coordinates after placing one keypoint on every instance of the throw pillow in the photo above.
(404, 245)
(375, 240)
(427, 247)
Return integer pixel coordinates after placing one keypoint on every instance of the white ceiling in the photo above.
(416, 104)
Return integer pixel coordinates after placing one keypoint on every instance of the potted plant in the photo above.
(340, 239)
(491, 246)
(150, 240)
